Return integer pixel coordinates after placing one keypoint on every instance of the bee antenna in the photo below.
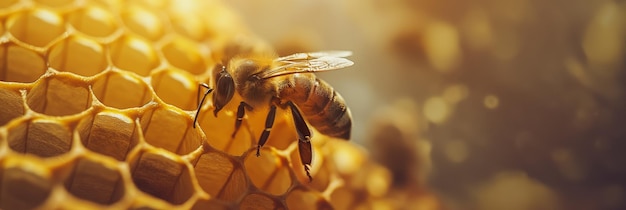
(209, 90)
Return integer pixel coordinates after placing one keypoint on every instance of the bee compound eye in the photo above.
(224, 90)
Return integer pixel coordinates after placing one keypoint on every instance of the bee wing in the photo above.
(325, 63)
(313, 55)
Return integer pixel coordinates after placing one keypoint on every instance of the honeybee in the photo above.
(288, 83)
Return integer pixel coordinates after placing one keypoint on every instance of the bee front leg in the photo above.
(269, 122)
(304, 139)
(241, 111)
(209, 90)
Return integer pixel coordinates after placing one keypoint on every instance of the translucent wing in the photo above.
(313, 55)
(309, 62)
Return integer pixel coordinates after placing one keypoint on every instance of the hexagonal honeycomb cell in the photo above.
(98, 104)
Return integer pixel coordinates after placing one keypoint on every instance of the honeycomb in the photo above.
(98, 100)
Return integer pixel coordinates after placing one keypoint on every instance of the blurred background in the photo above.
(486, 104)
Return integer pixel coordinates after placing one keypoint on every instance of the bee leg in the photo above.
(241, 111)
(209, 90)
(304, 148)
(269, 122)
(304, 139)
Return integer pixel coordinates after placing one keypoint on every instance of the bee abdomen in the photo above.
(334, 120)
(325, 109)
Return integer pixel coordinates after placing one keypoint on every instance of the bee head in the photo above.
(224, 89)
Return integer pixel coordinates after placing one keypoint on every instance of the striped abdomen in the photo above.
(322, 107)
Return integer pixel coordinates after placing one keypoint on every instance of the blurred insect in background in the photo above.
(286, 82)
(396, 141)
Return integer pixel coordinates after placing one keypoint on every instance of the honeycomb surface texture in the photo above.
(98, 99)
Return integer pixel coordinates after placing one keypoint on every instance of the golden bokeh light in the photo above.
(456, 151)
(442, 46)
(436, 110)
(491, 101)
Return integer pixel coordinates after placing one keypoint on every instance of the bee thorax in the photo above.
(254, 91)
